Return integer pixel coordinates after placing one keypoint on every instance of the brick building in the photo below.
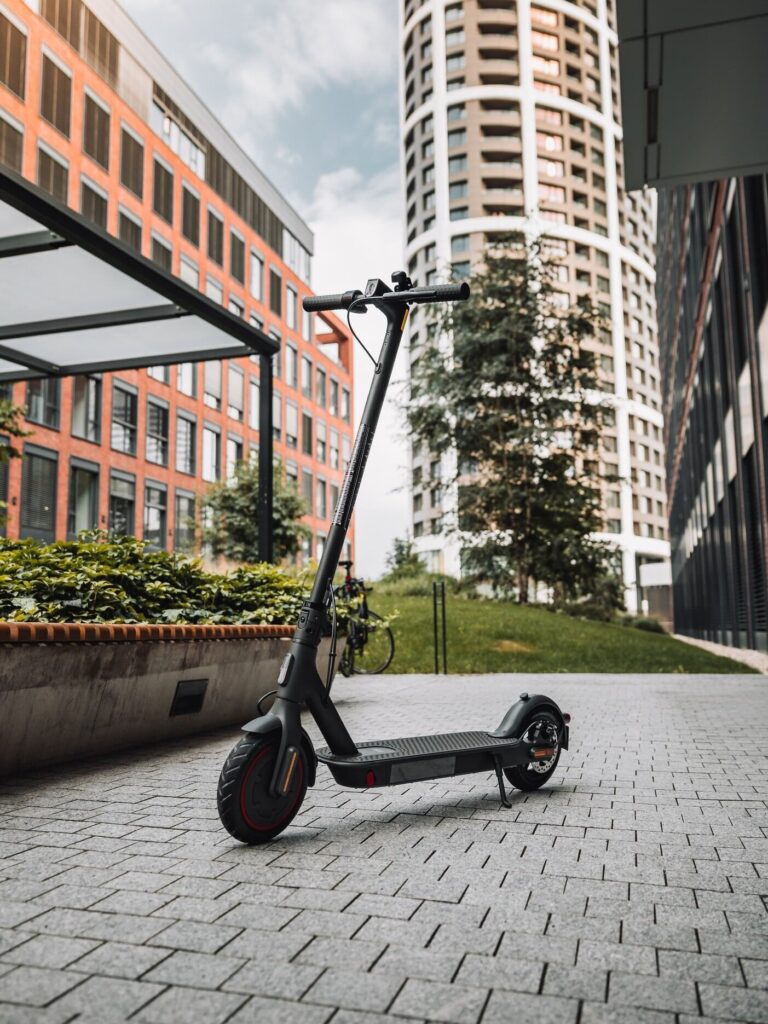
(92, 112)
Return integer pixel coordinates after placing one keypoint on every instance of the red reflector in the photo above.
(567, 719)
(370, 779)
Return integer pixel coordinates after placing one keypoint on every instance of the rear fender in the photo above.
(511, 725)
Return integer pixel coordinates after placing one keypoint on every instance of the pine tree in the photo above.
(508, 382)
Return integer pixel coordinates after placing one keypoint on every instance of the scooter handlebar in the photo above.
(434, 293)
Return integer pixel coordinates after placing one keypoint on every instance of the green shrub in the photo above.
(415, 586)
(649, 625)
(595, 611)
(100, 579)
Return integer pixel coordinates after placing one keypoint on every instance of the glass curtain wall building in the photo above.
(511, 123)
(713, 324)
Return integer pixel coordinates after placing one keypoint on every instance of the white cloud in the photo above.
(357, 225)
(287, 49)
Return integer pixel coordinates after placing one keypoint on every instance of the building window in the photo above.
(86, 408)
(306, 325)
(129, 230)
(212, 384)
(275, 293)
(320, 382)
(83, 498)
(188, 272)
(333, 404)
(306, 489)
(321, 506)
(458, 137)
(234, 456)
(96, 131)
(132, 163)
(235, 396)
(52, 175)
(93, 204)
(291, 425)
(291, 366)
(257, 276)
(215, 238)
(11, 144)
(162, 254)
(186, 379)
(155, 515)
(186, 443)
(157, 433)
(43, 402)
(235, 306)
(100, 49)
(184, 522)
(306, 433)
(306, 377)
(291, 308)
(122, 504)
(214, 291)
(190, 215)
(211, 455)
(39, 470)
(237, 257)
(345, 405)
(277, 417)
(253, 403)
(56, 96)
(124, 419)
(162, 191)
(320, 438)
(13, 56)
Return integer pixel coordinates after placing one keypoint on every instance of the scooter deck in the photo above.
(409, 759)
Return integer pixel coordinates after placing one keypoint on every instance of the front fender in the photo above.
(510, 726)
(266, 724)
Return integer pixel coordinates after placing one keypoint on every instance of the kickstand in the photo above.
(502, 791)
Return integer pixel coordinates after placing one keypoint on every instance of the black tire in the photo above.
(535, 774)
(347, 663)
(246, 808)
(379, 649)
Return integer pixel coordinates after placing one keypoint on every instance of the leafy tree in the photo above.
(10, 425)
(403, 561)
(231, 516)
(508, 382)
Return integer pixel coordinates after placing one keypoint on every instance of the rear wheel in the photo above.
(247, 809)
(543, 730)
(377, 646)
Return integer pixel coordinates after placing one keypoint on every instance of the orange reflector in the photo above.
(543, 752)
(289, 773)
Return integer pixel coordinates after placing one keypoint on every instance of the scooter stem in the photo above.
(397, 317)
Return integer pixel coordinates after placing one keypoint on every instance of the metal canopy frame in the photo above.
(86, 337)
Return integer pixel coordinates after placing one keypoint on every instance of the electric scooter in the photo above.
(265, 778)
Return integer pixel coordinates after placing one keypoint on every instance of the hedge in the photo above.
(100, 579)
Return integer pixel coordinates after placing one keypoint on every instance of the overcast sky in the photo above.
(309, 89)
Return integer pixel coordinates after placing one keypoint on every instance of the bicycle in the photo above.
(370, 645)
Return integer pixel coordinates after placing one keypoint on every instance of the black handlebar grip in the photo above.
(317, 303)
(451, 292)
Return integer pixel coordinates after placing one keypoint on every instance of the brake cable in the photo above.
(332, 652)
(358, 339)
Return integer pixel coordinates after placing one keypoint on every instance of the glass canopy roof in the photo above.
(74, 299)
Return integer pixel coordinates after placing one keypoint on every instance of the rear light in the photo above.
(370, 779)
(567, 719)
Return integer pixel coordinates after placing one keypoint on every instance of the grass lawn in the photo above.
(497, 636)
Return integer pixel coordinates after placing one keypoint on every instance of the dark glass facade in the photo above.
(712, 292)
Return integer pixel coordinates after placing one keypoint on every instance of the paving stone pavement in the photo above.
(632, 889)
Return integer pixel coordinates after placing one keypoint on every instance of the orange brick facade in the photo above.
(318, 348)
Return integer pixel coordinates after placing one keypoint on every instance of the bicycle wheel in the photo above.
(376, 653)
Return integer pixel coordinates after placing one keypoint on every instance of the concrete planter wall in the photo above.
(71, 691)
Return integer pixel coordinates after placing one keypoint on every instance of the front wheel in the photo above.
(247, 809)
(542, 729)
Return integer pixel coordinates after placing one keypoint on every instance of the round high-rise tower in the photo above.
(510, 123)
